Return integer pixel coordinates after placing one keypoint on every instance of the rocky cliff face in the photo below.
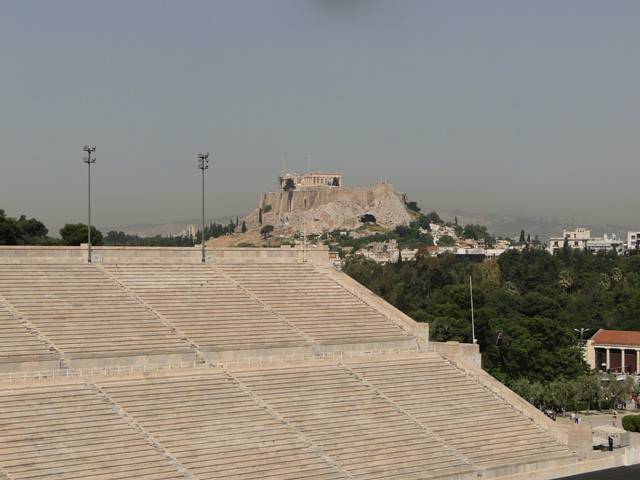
(334, 208)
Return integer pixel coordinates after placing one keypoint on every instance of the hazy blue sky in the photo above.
(496, 106)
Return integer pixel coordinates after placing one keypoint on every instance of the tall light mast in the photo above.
(473, 326)
(203, 164)
(88, 160)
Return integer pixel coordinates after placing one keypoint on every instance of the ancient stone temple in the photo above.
(258, 364)
(309, 180)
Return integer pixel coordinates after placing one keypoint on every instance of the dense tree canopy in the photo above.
(432, 217)
(77, 233)
(22, 231)
(447, 241)
(478, 232)
(122, 239)
(527, 304)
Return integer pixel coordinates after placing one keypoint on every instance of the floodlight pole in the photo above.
(203, 164)
(88, 160)
(582, 331)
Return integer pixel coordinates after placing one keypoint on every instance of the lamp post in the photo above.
(88, 160)
(203, 164)
(473, 323)
(582, 331)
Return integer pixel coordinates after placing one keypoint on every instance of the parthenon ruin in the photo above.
(310, 180)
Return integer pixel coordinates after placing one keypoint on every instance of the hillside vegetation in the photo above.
(527, 304)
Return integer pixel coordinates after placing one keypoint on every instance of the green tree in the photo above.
(477, 232)
(522, 387)
(446, 241)
(266, 231)
(522, 237)
(76, 233)
(22, 231)
(433, 217)
(590, 389)
(538, 393)
(562, 393)
(413, 206)
(244, 227)
(422, 221)
(9, 231)
(614, 390)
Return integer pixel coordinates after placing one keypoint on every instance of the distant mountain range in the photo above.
(499, 224)
(167, 229)
(544, 227)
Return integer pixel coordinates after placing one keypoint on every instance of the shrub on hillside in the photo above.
(266, 231)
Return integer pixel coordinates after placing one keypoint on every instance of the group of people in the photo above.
(552, 414)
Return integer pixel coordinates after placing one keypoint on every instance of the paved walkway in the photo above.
(620, 473)
(600, 419)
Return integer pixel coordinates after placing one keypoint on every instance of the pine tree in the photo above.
(455, 220)
(528, 238)
(260, 216)
(244, 227)
(522, 237)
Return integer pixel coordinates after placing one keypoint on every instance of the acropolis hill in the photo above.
(262, 363)
(318, 202)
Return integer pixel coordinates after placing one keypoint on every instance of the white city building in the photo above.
(633, 241)
(575, 238)
(606, 244)
(581, 239)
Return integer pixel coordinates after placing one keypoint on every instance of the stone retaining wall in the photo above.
(164, 255)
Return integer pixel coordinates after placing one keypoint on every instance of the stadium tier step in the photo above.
(208, 308)
(467, 416)
(315, 304)
(87, 316)
(68, 432)
(396, 417)
(217, 431)
(21, 349)
(357, 428)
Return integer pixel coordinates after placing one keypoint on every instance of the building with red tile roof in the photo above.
(617, 351)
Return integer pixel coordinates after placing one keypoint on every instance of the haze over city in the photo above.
(319, 240)
(509, 107)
